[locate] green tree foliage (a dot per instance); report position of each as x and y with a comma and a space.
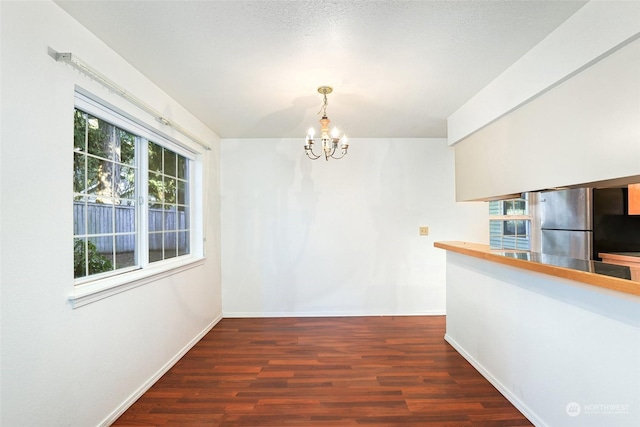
98, 263
104, 159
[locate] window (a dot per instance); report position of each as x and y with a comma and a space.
509, 224
168, 204
132, 192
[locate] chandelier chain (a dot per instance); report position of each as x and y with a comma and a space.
323, 109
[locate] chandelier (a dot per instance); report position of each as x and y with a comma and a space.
329, 141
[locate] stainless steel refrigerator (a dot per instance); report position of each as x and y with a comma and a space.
566, 223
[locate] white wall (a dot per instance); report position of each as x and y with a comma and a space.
65, 366
547, 342
593, 32
340, 237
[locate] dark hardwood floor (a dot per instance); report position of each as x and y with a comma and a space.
371, 371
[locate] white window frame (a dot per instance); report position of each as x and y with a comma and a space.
509, 217
92, 288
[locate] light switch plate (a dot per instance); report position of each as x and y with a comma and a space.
424, 231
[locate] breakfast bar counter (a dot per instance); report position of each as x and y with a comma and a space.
616, 277
558, 337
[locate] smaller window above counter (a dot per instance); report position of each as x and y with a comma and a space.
510, 224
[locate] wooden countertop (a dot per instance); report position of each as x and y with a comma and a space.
622, 256
519, 259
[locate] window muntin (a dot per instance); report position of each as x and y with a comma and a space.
114, 196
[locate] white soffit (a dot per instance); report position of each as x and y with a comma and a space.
591, 34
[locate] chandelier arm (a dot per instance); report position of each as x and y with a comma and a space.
344, 153
311, 154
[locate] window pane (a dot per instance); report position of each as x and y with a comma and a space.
125, 184
79, 131
509, 228
100, 218
155, 247
495, 207
102, 139
156, 193
100, 254
170, 245
182, 167
182, 192
127, 148
125, 219
170, 219
523, 243
183, 242
509, 242
495, 227
100, 178
79, 177
507, 207
495, 242
169, 163
93, 168
519, 207
125, 250
155, 218
183, 218
155, 157
79, 216
79, 257
169, 190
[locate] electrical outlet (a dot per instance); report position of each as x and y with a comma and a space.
424, 231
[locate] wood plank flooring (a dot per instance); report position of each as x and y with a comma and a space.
351, 371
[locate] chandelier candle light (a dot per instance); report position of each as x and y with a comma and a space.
329, 142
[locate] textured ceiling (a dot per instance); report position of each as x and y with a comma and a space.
252, 68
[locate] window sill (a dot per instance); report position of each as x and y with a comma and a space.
99, 289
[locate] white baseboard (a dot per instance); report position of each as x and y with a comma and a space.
263, 314
151, 381
515, 401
